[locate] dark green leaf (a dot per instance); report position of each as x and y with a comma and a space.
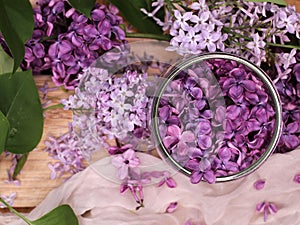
16, 25
131, 10
20, 164
20, 103
62, 215
4, 128
279, 2
83, 6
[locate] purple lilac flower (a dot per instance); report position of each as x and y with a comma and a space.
125, 161
65, 42
266, 208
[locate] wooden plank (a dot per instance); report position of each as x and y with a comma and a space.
35, 181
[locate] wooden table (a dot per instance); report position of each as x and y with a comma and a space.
35, 177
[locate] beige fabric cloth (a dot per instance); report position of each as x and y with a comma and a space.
218, 204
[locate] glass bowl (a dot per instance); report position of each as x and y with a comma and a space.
216, 113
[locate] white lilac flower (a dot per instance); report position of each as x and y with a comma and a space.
257, 45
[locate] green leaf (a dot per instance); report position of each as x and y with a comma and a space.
83, 6
62, 215
16, 25
6, 62
20, 164
131, 11
278, 2
20, 103
4, 128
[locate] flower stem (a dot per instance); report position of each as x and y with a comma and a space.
11, 209
267, 43
57, 106
151, 36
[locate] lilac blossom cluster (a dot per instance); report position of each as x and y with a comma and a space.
65, 41
206, 137
288, 86
248, 29
108, 106
133, 179
67, 153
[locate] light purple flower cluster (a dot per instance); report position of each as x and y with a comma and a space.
108, 106
133, 179
65, 41
206, 137
67, 153
248, 29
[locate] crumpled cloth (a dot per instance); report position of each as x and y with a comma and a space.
96, 199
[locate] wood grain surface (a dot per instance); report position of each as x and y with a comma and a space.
35, 181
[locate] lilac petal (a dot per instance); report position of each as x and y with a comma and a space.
197, 93
209, 176
164, 112
119, 33
172, 207
39, 50
192, 164
65, 47
228, 83
195, 153
97, 15
236, 92
204, 127
169, 141
249, 85
174, 120
187, 136
224, 154
117, 161
293, 127
297, 178
196, 177
122, 172
204, 165
259, 184
104, 27
161, 183
253, 125
291, 141
260, 206
204, 141
171, 183
129, 154
182, 149
272, 208
174, 131
106, 43
200, 104
233, 112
